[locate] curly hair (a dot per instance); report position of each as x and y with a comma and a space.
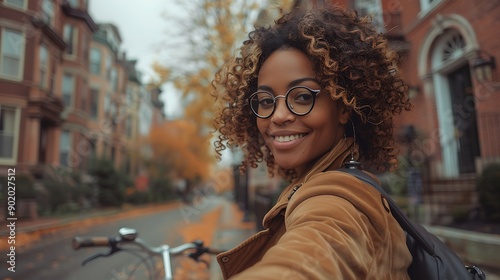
352, 61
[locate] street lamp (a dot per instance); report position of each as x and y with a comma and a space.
483, 66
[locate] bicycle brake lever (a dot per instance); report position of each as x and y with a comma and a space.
196, 255
112, 250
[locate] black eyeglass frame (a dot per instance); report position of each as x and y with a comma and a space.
314, 92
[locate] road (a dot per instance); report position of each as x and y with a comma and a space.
53, 257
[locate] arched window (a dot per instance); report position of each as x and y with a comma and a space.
454, 46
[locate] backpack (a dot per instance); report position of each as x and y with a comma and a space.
432, 259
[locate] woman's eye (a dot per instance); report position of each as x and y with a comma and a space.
266, 101
303, 97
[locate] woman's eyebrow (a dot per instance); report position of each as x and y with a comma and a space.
299, 81
291, 84
265, 88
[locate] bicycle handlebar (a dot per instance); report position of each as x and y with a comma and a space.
128, 236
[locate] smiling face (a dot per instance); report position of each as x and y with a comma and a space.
297, 141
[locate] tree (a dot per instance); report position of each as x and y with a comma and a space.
205, 41
178, 150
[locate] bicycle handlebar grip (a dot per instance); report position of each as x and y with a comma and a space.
82, 242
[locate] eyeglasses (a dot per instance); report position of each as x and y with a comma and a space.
299, 100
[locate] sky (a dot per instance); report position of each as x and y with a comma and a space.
143, 28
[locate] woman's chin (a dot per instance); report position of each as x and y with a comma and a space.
286, 165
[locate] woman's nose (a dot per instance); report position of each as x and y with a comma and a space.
281, 114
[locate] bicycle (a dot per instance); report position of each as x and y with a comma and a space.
128, 241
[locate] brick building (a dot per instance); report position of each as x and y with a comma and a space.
63, 89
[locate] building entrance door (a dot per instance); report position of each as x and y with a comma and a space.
464, 118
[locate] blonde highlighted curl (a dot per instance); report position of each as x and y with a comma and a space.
352, 62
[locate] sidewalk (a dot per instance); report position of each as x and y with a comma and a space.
231, 231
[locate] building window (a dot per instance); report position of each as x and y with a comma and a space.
83, 96
108, 67
85, 48
12, 54
372, 8
65, 148
426, 5
94, 103
68, 88
454, 46
114, 80
44, 65
48, 11
21, 4
95, 61
70, 38
9, 133
74, 3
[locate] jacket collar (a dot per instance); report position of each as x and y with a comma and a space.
332, 160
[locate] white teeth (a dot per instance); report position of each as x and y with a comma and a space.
287, 138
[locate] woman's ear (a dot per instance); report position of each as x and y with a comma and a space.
345, 113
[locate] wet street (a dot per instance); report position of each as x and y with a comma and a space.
52, 256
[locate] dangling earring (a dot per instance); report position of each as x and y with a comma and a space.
352, 163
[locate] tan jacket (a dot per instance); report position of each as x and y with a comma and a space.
334, 226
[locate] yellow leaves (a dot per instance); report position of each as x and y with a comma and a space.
180, 144
203, 44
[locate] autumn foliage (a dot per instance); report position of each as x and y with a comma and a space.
198, 48
179, 151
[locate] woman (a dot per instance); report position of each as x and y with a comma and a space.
306, 95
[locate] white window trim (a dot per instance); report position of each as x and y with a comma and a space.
24, 7
19, 76
17, 124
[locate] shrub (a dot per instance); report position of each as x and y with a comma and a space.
23, 184
110, 182
488, 187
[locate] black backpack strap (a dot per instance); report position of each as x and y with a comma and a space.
397, 213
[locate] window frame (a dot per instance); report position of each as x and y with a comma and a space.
19, 76
94, 98
48, 14
66, 148
92, 62
72, 50
15, 134
24, 7
72, 93
74, 5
